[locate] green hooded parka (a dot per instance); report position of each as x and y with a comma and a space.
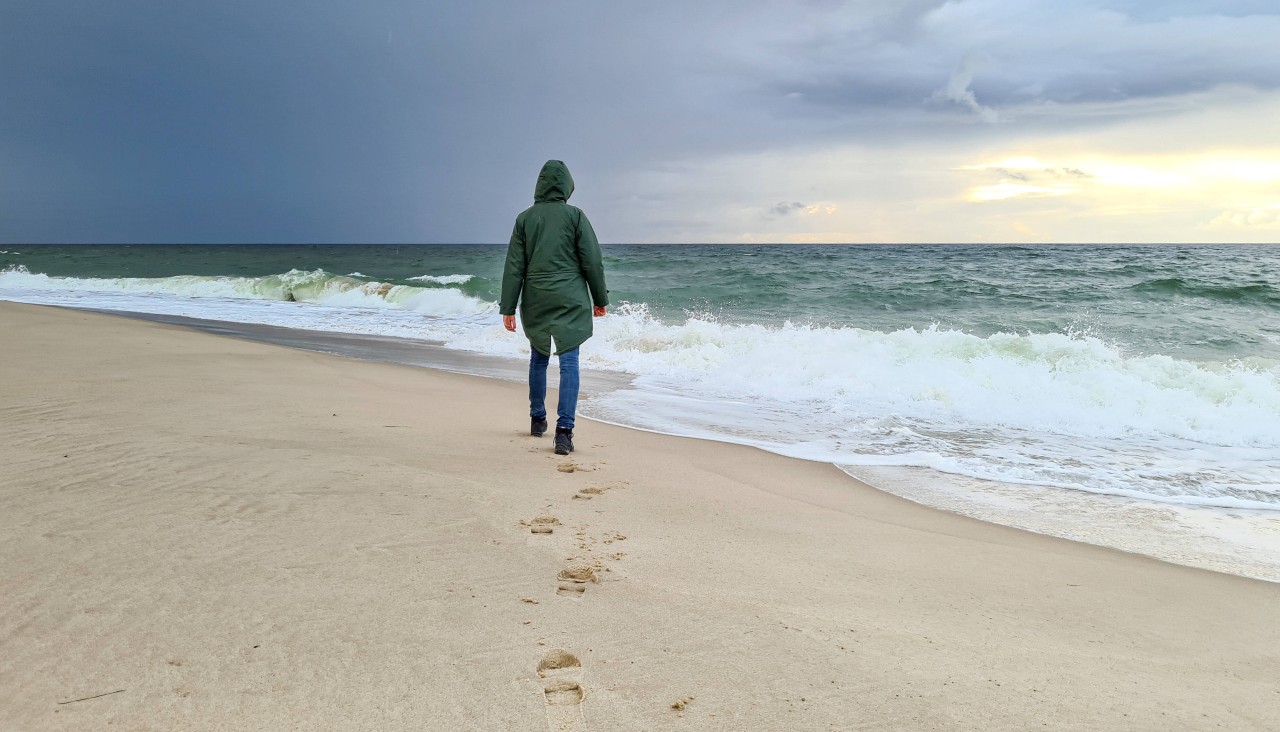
553, 267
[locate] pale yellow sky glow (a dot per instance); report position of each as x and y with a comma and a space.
1257, 217
1240, 190
1004, 190
1167, 179
1209, 172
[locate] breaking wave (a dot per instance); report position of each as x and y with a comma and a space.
315, 287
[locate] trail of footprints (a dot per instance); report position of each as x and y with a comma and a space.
560, 671
587, 567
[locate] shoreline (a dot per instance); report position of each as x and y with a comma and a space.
1234, 541
304, 540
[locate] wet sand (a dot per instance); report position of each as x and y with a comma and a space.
205, 533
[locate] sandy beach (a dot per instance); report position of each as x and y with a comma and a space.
203, 533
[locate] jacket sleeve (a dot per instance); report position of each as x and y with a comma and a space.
513, 272
589, 260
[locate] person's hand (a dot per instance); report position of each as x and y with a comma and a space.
598, 311
509, 322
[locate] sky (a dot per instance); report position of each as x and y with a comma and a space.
1015, 121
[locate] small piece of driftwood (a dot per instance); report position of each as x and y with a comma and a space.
95, 696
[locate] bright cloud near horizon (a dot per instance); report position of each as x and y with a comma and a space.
819, 121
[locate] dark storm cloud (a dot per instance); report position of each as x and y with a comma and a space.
384, 121
141, 120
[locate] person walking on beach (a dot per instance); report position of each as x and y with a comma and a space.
554, 272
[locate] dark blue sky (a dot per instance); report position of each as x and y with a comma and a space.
379, 121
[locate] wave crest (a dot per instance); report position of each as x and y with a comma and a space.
1177, 286
315, 287
454, 279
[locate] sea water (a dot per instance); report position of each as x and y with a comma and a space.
1123, 395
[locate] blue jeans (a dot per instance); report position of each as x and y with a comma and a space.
568, 405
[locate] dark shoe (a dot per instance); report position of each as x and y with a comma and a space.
564, 441
537, 426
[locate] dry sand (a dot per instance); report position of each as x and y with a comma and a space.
216, 534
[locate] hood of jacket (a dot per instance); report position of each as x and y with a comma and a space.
554, 183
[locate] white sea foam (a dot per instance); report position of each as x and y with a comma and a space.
1236, 541
1041, 383
1046, 409
453, 279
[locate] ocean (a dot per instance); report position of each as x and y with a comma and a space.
1127, 396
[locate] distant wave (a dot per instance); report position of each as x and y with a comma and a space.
1258, 293
454, 279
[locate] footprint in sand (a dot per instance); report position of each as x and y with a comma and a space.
561, 674
541, 524
586, 493
573, 579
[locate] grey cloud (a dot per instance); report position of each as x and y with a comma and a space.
785, 209
1027, 175
1042, 176
989, 54
1014, 174
958, 90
